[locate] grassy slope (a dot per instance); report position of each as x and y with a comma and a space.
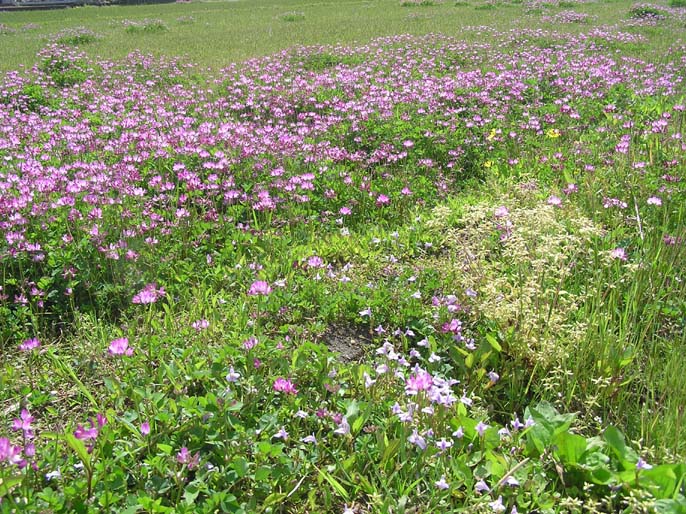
225, 32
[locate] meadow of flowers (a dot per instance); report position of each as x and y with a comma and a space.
416, 275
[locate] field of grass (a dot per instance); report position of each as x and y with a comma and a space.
214, 34
357, 257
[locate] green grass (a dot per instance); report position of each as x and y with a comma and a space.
226, 32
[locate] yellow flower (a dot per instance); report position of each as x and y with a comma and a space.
552, 133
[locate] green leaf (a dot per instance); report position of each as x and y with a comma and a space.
671, 506
264, 447
262, 474
165, 448
390, 452
335, 484
273, 499
615, 440
494, 343
570, 447
548, 423
79, 448
661, 480
190, 493
601, 476
7, 484
240, 466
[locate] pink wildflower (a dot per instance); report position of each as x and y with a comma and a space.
419, 381
259, 287
149, 294
382, 199
283, 385
120, 347
29, 344
185, 457
618, 254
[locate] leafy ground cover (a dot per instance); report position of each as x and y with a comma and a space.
421, 274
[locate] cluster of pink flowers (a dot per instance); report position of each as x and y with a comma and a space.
284, 385
149, 294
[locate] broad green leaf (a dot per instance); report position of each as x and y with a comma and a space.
262, 474
671, 506
661, 480
190, 493
615, 440
569, 447
601, 476
240, 466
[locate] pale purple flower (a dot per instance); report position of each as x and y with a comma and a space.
516, 424
250, 343
368, 380
416, 439
641, 464
481, 487
366, 312
185, 457
382, 199
120, 347
654, 200
310, 439
145, 428
315, 262
23, 423
459, 433
434, 358
86, 434
343, 427
497, 505
493, 376
232, 376
570, 189
555, 201
481, 428
9, 453
444, 444
51, 475
442, 484
281, 434
419, 381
